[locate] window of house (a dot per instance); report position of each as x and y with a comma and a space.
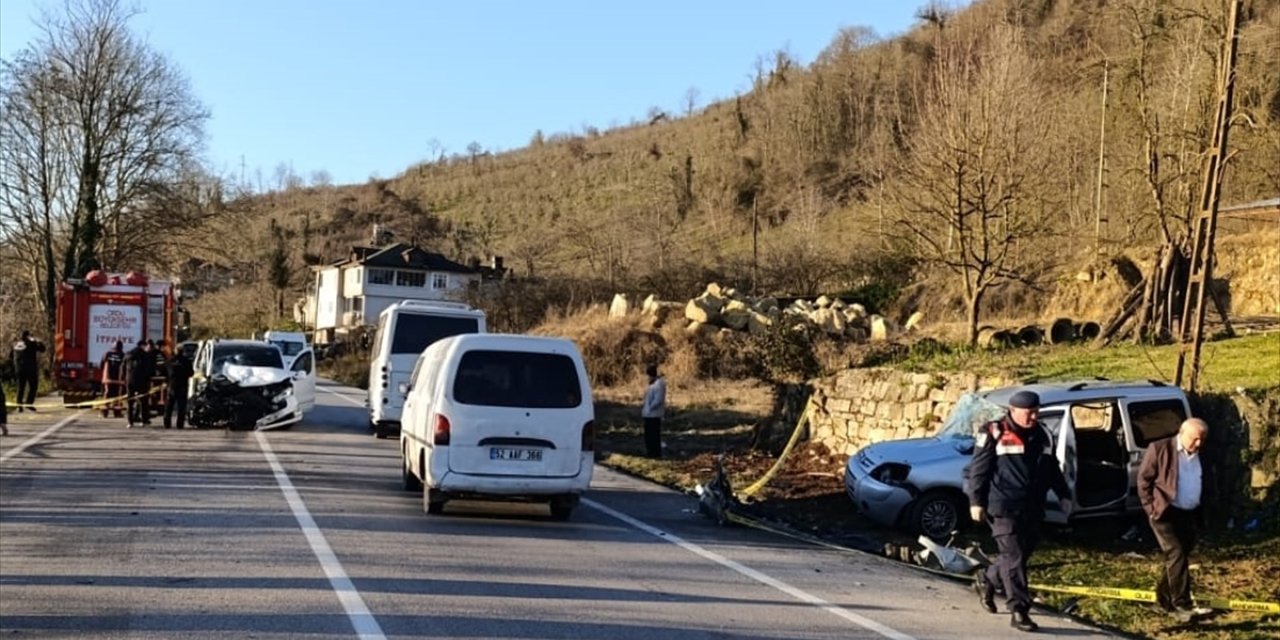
353, 304
382, 276
439, 281
411, 279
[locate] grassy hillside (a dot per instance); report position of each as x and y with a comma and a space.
816, 155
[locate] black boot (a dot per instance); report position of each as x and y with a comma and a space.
986, 593
1023, 622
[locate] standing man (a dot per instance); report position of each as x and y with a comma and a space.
112, 366
651, 412
139, 368
1170, 485
1013, 468
179, 379
26, 366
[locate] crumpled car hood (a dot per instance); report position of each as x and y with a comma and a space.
246, 376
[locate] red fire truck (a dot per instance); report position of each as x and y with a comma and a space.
96, 311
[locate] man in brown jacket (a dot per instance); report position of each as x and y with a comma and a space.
1170, 483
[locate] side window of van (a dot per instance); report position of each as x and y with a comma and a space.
517, 379
1155, 419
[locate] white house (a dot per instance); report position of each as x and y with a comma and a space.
352, 292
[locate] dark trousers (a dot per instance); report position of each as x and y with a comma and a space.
139, 404
653, 437
1176, 533
177, 402
27, 383
1016, 539
4, 408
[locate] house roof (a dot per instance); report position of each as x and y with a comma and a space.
402, 256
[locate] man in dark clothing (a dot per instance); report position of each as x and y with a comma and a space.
112, 366
1171, 480
26, 366
139, 367
4, 412
1013, 468
179, 379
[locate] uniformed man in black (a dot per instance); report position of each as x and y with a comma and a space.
1013, 468
112, 366
139, 367
26, 367
178, 380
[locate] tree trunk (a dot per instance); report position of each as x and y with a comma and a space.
975, 306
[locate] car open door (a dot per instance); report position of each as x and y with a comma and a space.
304, 380
1064, 441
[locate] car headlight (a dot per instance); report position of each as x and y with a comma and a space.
892, 473
283, 395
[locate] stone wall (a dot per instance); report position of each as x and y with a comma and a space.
857, 407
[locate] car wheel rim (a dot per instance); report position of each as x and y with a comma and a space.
938, 519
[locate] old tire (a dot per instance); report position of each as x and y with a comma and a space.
936, 514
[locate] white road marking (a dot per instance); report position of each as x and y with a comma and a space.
33, 440
358, 403
365, 625
803, 596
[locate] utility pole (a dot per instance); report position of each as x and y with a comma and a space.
1102, 162
1191, 330
755, 250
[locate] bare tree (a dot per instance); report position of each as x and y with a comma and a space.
95, 124
969, 186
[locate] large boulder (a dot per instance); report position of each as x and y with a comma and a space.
759, 323
735, 315
879, 329
619, 307
704, 308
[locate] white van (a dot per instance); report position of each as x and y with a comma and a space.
495, 416
291, 344
405, 329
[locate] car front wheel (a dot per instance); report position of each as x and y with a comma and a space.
936, 514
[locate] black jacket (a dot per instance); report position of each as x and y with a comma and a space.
139, 368
113, 366
26, 355
179, 371
1013, 468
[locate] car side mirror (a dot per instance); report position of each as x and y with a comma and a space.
404, 388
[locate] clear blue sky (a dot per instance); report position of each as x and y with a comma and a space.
362, 88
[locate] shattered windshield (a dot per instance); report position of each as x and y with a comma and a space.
971, 412
247, 355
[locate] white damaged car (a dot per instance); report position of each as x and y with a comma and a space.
244, 384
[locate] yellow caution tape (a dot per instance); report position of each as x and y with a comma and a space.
777, 464
1138, 595
87, 404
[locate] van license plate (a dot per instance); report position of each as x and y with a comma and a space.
529, 455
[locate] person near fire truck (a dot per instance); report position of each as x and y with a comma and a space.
26, 368
112, 367
139, 368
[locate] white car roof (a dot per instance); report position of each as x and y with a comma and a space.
511, 342
1085, 390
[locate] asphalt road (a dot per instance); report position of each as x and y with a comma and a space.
107, 532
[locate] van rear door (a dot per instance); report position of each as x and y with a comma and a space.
517, 413
411, 334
